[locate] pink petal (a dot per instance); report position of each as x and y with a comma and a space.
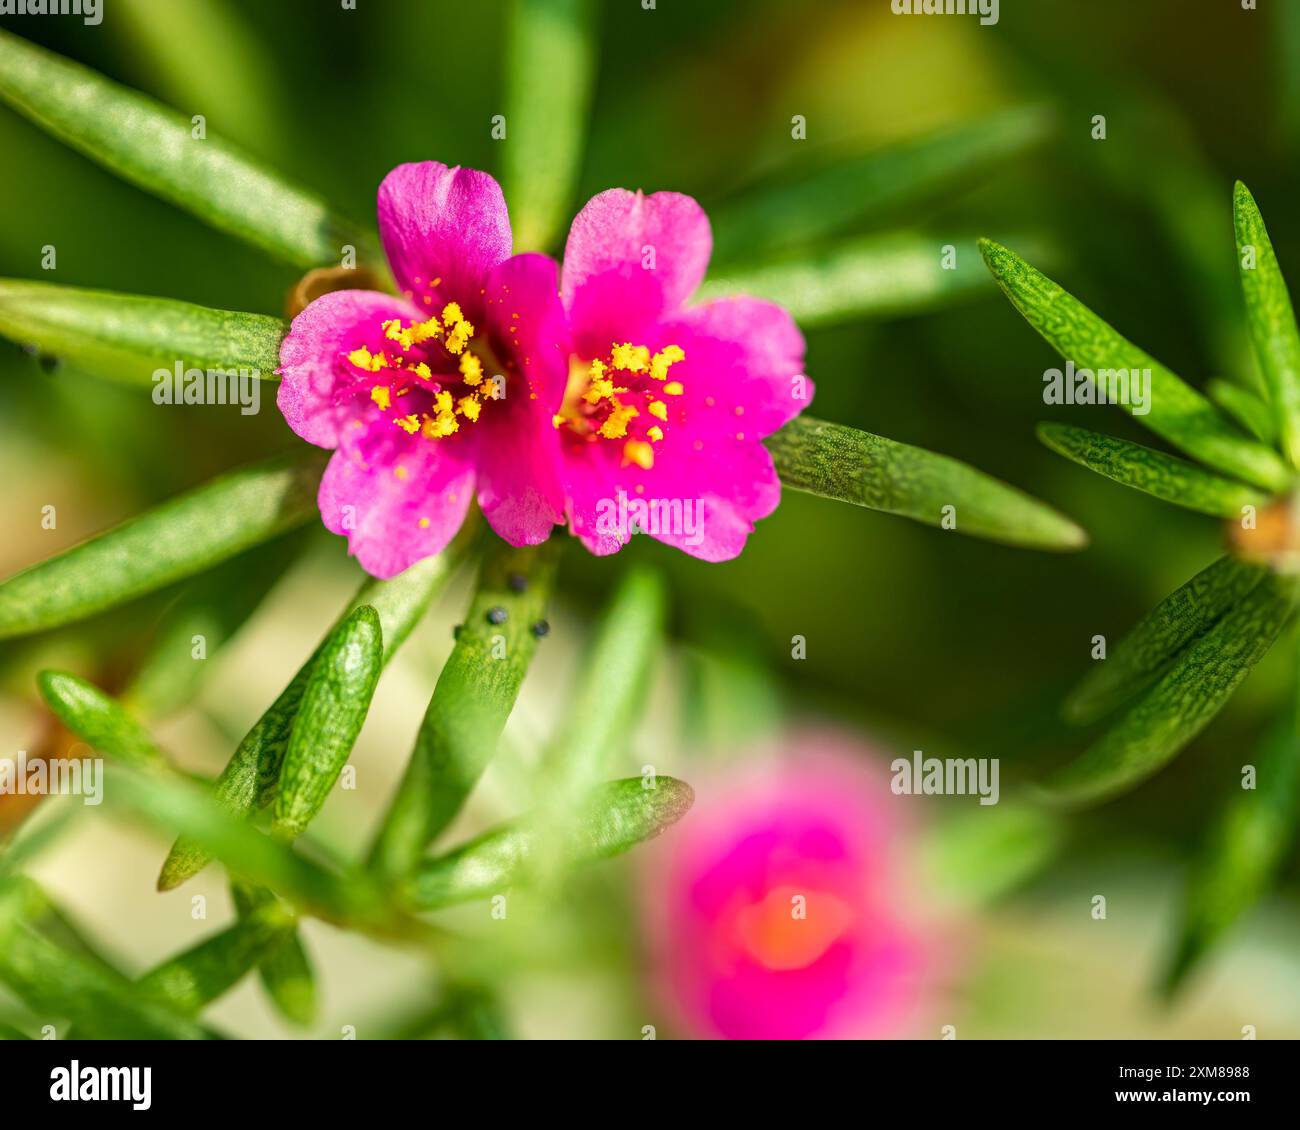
381, 484
519, 485
311, 362
631, 258
443, 231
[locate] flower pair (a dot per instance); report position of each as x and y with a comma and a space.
555, 397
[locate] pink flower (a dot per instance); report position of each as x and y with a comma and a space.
666, 406
778, 909
442, 393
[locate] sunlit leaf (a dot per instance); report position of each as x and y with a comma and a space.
129, 337
1184, 615
472, 700
330, 716
617, 817
155, 148
1152, 472
249, 781
1173, 409
1183, 701
173, 541
881, 474
1270, 317
814, 205
550, 66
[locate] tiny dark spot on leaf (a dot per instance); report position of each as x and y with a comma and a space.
540, 628
497, 615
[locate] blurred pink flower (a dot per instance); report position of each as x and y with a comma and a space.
778, 910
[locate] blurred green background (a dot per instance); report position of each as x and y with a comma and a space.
922, 638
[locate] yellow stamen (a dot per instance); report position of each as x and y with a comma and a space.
408, 424
615, 425
639, 452
379, 395
673, 388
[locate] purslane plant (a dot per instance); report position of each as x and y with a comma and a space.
1177, 668
634, 389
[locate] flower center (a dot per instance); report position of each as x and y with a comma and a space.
791, 928
622, 396
409, 380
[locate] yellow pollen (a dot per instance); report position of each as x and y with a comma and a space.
471, 369
631, 358
615, 425
379, 395
408, 424
639, 452
424, 523
659, 408
655, 432
668, 355
470, 407
673, 388
401, 473
362, 358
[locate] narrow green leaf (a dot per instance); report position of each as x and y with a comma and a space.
1243, 851
1270, 317
99, 719
816, 205
617, 817
194, 979
9, 1032
1245, 407
1173, 410
251, 778
173, 541
129, 337
286, 971
155, 148
1183, 616
1183, 702
330, 716
1153, 472
472, 700
881, 474
550, 66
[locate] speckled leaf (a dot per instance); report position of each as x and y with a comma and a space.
1152, 472
99, 719
1177, 412
881, 474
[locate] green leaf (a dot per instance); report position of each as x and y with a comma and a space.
874, 276
1243, 851
618, 816
472, 700
550, 68
835, 196
330, 716
1270, 317
1183, 616
99, 719
1152, 472
1175, 411
286, 971
154, 148
194, 979
129, 337
1245, 407
173, 541
1183, 702
983, 853
881, 474
251, 778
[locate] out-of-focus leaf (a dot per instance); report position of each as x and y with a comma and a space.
194, 979
330, 716
155, 148
873, 276
1152, 472
168, 543
249, 781
1243, 851
978, 856
472, 700
617, 817
1184, 615
9, 1032
1245, 407
835, 196
129, 337
286, 971
881, 474
99, 719
1271, 319
550, 63
1183, 702
1177, 412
